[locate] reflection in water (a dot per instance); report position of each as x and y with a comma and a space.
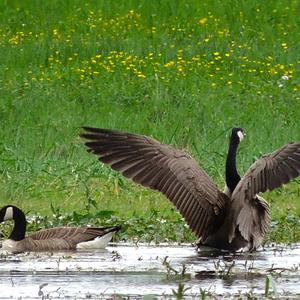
136, 271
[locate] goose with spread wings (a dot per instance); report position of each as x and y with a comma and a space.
234, 219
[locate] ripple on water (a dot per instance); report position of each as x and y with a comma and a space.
148, 270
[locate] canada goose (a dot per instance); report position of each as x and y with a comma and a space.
231, 221
52, 239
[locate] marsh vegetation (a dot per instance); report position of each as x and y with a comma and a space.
182, 72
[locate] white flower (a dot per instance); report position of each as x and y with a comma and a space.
285, 77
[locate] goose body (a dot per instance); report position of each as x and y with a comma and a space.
234, 219
52, 239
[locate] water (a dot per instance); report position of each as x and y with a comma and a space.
144, 272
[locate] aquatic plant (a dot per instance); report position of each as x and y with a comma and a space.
174, 274
224, 269
181, 289
270, 286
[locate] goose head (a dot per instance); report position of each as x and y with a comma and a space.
237, 135
11, 212
6, 213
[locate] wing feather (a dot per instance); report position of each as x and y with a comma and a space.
192, 207
160, 167
270, 172
78, 234
267, 173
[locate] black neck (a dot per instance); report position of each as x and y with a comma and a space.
18, 232
232, 176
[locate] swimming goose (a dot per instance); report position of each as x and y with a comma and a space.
52, 239
234, 219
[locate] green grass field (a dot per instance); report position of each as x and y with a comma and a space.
184, 72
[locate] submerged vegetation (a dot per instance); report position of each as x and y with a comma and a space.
183, 72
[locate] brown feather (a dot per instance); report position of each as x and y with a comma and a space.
217, 220
162, 168
267, 173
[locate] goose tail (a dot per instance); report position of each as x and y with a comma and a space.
100, 242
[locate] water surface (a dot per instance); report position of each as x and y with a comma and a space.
146, 272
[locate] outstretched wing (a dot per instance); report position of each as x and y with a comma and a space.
267, 173
163, 168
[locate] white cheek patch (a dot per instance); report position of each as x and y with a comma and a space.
227, 191
240, 135
8, 214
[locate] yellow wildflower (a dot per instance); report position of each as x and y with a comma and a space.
203, 21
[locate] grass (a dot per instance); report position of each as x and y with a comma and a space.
183, 72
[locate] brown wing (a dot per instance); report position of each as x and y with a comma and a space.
61, 238
51, 244
267, 173
76, 234
163, 168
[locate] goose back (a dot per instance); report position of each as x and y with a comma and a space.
52, 239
